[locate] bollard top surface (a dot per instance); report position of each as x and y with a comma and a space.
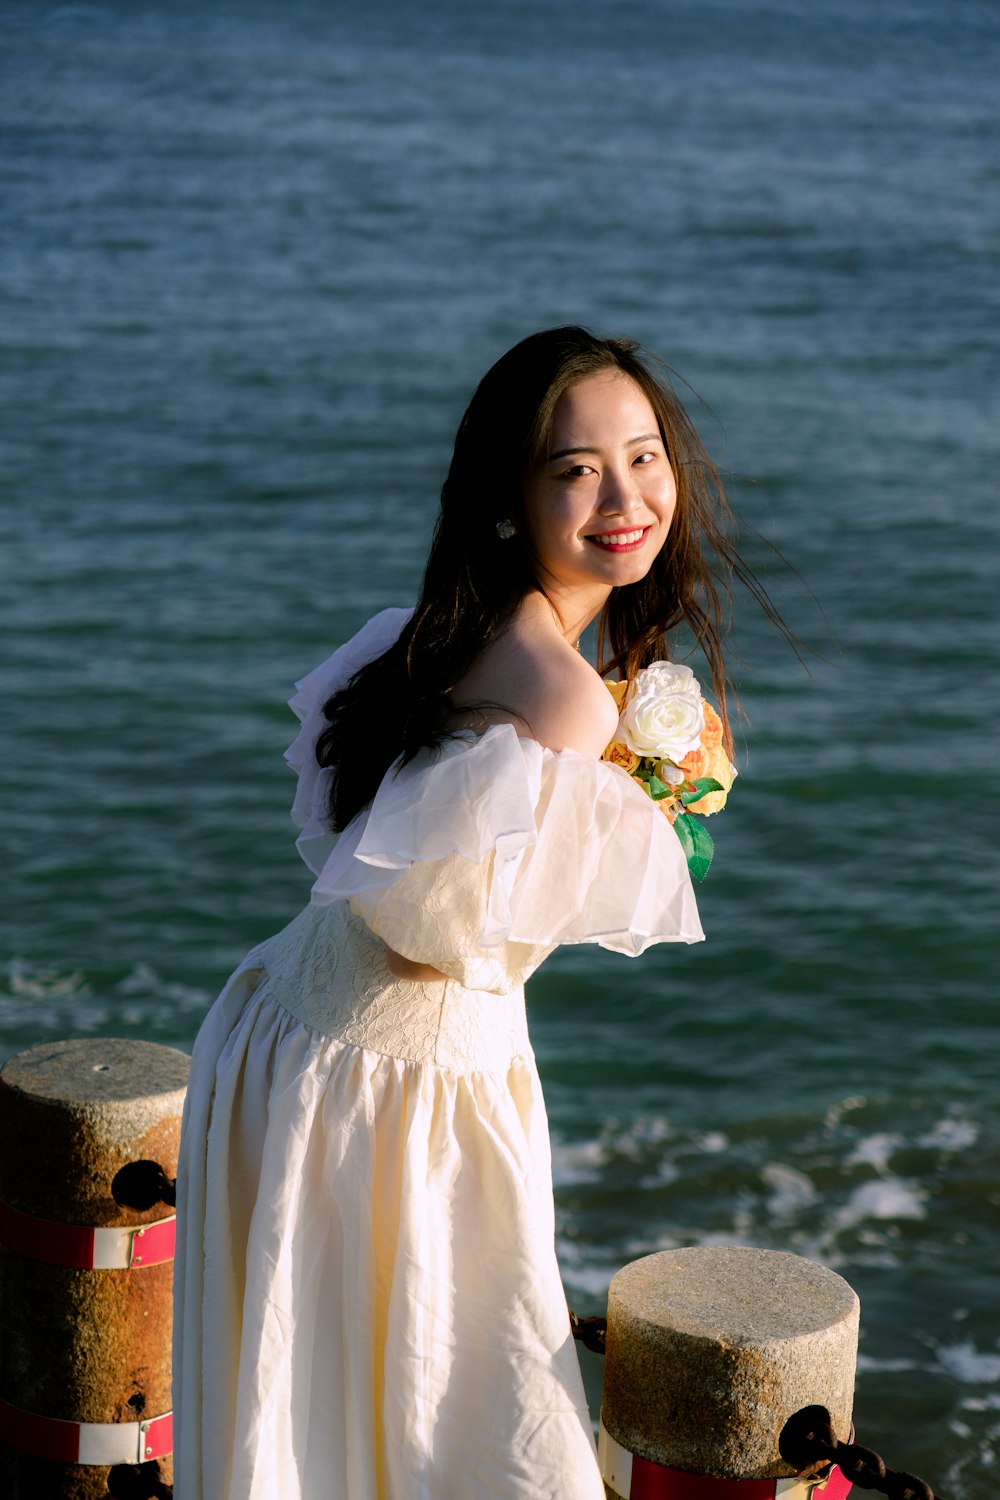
98, 1070
739, 1294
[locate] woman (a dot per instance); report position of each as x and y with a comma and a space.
368, 1301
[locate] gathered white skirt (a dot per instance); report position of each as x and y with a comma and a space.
368, 1305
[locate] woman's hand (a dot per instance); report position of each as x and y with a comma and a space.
405, 968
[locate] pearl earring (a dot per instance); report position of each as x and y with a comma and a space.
505, 530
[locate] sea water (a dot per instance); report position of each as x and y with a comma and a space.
252, 261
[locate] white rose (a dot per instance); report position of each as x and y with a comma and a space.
665, 715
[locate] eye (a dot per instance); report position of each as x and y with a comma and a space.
578, 471
645, 458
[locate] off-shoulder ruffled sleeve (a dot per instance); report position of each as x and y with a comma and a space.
315, 841
482, 858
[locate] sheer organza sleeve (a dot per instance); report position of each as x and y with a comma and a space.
315, 841
483, 857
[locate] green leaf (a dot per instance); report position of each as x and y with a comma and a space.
696, 843
702, 787
658, 789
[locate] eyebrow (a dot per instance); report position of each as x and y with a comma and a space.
646, 437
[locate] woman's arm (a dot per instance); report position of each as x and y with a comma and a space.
405, 968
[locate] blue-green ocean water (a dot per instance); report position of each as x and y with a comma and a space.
252, 260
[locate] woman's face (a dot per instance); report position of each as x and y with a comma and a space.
598, 511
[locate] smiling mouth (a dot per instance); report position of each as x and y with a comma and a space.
620, 541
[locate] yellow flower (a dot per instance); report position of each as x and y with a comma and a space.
618, 691
620, 755
709, 759
669, 807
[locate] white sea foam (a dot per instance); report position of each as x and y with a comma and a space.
583, 1275
886, 1198
45, 984
145, 983
650, 1130
665, 1172
950, 1135
141, 979
982, 1403
874, 1151
636, 1141
635, 1248
870, 1365
712, 1141
968, 1364
591, 1281
790, 1188
141, 982
577, 1161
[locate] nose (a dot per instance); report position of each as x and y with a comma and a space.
619, 492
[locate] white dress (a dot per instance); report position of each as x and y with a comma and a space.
368, 1305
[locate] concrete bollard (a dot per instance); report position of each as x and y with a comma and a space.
86, 1265
709, 1351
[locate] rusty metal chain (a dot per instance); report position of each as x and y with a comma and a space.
590, 1331
808, 1441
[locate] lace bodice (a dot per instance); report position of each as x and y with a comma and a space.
329, 971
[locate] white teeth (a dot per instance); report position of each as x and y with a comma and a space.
618, 538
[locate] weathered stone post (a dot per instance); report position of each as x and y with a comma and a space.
89, 1134
709, 1351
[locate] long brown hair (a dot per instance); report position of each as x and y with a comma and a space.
474, 581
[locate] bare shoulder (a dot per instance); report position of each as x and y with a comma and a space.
539, 683
571, 709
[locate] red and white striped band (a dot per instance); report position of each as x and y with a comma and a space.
635, 1478
86, 1442
86, 1248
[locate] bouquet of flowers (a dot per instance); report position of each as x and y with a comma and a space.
669, 739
